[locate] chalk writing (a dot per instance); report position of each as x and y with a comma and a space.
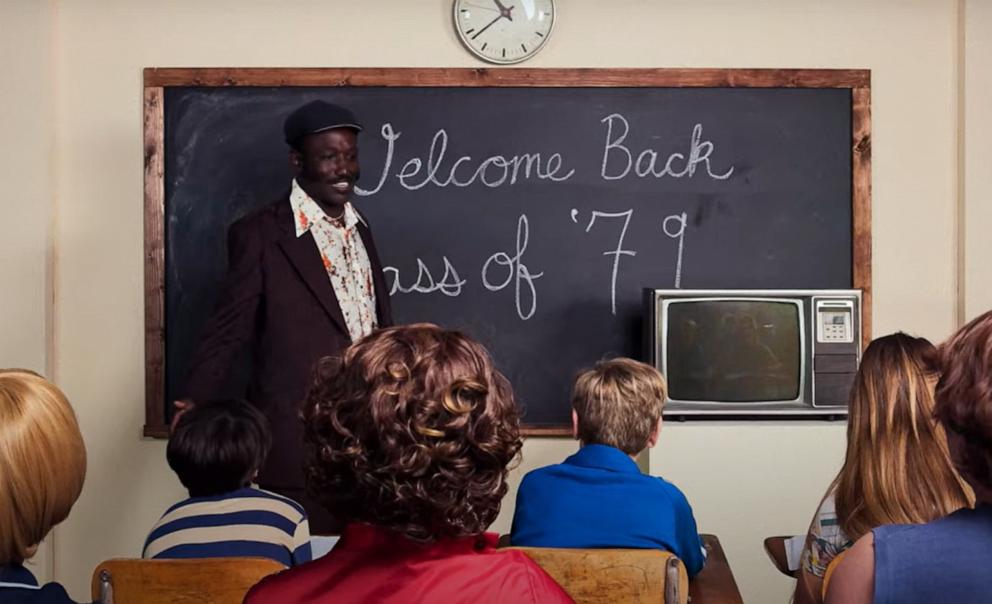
680, 219
493, 171
647, 160
616, 253
450, 285
516, 271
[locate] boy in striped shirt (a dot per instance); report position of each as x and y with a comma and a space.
216, 449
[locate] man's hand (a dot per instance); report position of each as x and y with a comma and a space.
182, 406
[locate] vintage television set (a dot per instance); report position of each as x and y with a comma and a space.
760, 353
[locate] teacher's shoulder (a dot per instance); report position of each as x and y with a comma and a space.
269, 222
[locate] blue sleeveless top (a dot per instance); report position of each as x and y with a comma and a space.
947, 560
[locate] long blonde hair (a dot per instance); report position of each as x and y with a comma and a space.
897, 469
42, 462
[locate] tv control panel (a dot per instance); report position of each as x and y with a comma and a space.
834, 321
836, 348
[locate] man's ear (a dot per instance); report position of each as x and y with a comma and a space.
575, 425
295, 161
655, 434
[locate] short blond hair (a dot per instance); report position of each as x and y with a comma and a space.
42, 461
618, 403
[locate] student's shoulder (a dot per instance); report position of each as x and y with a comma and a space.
50, 593
545, 470
946, 532
277, 499
176, 506
289, 585
666, 489
543, 475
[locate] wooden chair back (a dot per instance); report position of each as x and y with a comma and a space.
775, 548
214, 580
614, 576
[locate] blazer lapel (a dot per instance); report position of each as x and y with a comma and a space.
302, 253
383, 308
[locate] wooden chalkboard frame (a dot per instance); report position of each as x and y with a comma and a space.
157, 79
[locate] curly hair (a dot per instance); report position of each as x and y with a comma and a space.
411, 430
964, 397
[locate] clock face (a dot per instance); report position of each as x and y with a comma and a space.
504, 31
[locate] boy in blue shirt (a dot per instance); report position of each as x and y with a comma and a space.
598, 497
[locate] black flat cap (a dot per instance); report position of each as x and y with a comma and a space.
317, 116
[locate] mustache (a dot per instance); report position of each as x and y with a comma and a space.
353, 178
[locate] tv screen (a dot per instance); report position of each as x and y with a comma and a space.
737, 351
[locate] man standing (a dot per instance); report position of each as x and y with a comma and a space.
304, 281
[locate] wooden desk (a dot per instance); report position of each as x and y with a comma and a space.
715, 584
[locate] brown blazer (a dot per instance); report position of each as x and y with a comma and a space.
278, 299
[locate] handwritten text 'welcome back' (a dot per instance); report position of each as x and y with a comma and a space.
618, 161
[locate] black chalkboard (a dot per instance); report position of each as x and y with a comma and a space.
531, 217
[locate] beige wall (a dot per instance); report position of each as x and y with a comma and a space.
26, 206
26, 173
746, 481
976, 165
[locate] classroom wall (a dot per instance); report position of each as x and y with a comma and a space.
976, 157
26, 172
26, 204
746, 481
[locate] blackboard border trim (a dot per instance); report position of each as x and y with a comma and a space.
488, 77
154, 261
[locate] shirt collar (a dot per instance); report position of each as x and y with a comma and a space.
15, 575
603, 457
367, 536
307, 212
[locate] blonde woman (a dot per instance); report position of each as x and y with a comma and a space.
897, 469
42, 466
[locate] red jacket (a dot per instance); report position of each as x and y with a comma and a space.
370, 564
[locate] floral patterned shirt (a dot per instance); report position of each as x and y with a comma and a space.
826, 539
344, 256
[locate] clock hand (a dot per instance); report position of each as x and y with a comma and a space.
503, 10
488, 25
482, 7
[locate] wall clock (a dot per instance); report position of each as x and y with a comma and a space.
504, 31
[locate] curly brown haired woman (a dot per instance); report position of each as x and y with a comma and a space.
408, 438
